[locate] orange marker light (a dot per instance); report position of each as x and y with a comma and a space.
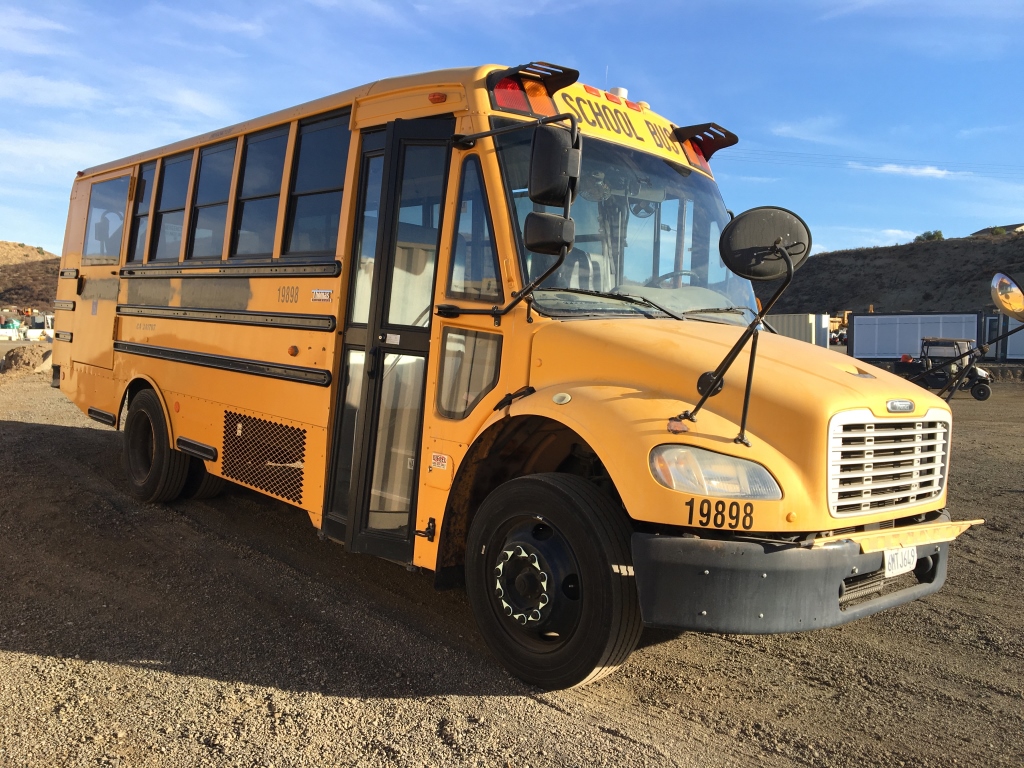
438, 98
633, 105
592, 90
540, 102
612, 98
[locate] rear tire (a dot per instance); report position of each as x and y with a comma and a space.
981, 391
549, 577
199, 483
155, 471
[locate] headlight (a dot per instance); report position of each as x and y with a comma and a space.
705, 473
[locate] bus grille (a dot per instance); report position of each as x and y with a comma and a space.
264, 454
881, 464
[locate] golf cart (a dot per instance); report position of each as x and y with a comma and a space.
943, 360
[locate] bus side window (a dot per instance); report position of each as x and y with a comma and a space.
107, 203
256, 212
473, 267
165, 242
470, 364
210, 202
140, 219
314, 209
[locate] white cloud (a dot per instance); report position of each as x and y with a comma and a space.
819, 130
42, 91
992, 9
841, 238
374, 8
186, 100
23, 32
983, 130
919, 171
217, 22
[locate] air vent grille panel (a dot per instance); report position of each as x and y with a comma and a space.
264, 454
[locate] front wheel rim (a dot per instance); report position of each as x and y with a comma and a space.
534, 583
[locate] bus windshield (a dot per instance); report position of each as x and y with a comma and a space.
647, 234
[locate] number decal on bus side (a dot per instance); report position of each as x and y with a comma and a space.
721, 515
288, 294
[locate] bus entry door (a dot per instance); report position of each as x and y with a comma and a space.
379, 419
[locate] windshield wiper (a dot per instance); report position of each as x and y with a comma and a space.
710, 310
629, 298
645, 300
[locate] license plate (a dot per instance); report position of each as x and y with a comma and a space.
900, 560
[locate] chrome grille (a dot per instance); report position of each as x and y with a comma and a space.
890, 464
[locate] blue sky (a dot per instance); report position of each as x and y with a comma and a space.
873, 119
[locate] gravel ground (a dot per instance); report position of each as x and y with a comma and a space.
225, 633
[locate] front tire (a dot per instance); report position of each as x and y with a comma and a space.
981, 391
550, 579
155, 471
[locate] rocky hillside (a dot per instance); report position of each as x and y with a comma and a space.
29, 285
936, 276
28, 275
20, 253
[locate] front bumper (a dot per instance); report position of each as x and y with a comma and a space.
754, 588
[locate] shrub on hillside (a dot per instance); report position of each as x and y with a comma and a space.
929, 235
999, 231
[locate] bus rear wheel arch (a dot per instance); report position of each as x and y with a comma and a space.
154, 470
549, 578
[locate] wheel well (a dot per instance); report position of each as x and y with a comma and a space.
523, 445
134, 387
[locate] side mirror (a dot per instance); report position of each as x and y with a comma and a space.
747, 244
554, 166
1008, 296
548, 233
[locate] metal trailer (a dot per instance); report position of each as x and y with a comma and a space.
889, 336
813, 329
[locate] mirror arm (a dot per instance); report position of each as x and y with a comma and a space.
468, 141
451, 310
719, 373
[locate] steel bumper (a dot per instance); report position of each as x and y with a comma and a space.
746, 587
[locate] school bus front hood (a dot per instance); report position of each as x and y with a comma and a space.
627, 377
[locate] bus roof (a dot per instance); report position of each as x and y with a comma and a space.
600, 114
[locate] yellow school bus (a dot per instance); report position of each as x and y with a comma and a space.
482, 322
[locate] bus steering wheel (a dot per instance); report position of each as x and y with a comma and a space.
654, 282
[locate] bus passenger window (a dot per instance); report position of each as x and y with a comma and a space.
170, 208
210, 211
469, 370
107, 203
256, 215
140, 221
473, 269
314, 209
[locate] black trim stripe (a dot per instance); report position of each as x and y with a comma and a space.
63, 335
197, 449
102, 416
273, 319
61, 304
280, 268
69, 274
237, 364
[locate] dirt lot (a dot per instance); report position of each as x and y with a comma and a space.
225, 633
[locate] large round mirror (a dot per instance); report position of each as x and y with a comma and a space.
1008, 296
747, 244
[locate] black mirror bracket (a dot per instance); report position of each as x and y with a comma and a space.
467, 142
711, 382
